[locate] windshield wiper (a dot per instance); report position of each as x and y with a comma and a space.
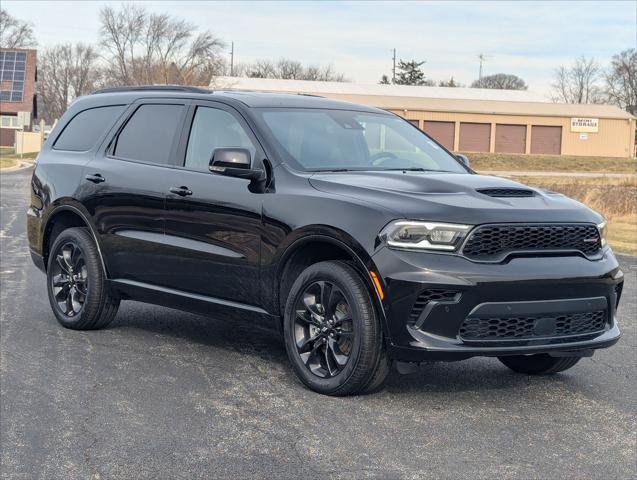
410, 169
418, 169
319, 170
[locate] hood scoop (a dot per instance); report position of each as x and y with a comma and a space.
506, 192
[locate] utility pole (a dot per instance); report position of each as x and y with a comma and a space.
393, 69
232, 59
482, 58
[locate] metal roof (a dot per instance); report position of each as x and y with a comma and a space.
444, 99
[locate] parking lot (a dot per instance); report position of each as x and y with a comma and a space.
165, 394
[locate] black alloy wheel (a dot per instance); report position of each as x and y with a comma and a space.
324, 329
78, 290
69, 278
332, 333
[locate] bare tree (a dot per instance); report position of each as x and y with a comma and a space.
503, 81
449, 83
578, 83
15, 33
621, 80
65, 72
289, 70
261, 69
155, 48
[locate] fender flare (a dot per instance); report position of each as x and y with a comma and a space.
85, 219
365, 265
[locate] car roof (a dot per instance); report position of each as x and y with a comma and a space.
247, 98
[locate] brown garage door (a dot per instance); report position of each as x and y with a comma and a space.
415, 123
443, 132
510, 138
474, 137
7, 137
547, 140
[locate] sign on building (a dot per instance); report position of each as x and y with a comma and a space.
589, 125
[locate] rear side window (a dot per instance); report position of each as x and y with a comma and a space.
84, 129
148, 135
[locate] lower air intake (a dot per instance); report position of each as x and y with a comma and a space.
517, 328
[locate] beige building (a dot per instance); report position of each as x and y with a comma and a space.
480, 120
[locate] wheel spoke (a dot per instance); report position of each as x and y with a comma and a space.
313, 353
309, 300
67, 254
78, 261
307, 344
340, 358
80, 285
344, 333
61, 294
306, 317
75, 301
62, 263
340, 321
326, 297
327, 354
69, 303
59, 280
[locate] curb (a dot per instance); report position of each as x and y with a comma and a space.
22, 165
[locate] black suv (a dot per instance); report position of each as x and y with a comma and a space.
362, 239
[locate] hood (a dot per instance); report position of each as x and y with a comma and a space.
453, 197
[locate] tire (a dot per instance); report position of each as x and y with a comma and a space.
541, 364
76, 285
347, 355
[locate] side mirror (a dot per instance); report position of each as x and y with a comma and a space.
235, 162
463, 159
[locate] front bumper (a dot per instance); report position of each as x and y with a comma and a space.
540, 287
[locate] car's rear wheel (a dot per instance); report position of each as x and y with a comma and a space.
77, 288
541, 364
332, 332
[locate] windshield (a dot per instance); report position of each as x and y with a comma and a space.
316, 140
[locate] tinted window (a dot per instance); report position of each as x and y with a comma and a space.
213, 128
338, 139
86, 127
148, 135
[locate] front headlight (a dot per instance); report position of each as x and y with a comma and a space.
415, 235
603, 232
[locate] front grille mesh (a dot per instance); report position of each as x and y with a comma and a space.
496, 328
433, 295
494, 242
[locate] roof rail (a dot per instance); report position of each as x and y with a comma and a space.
161, 88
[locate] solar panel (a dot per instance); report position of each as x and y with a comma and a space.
12, 68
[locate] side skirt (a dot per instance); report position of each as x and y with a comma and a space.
190, 302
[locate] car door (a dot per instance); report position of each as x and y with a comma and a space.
125, 188
214, 223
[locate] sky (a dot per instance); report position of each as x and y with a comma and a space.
528, 39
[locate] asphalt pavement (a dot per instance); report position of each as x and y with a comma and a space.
166, 394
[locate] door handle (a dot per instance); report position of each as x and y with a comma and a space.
181, 191
95, 178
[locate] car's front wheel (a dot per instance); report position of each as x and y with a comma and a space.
541, 364
78, 293
332, 332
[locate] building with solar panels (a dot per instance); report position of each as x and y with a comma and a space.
18, 105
